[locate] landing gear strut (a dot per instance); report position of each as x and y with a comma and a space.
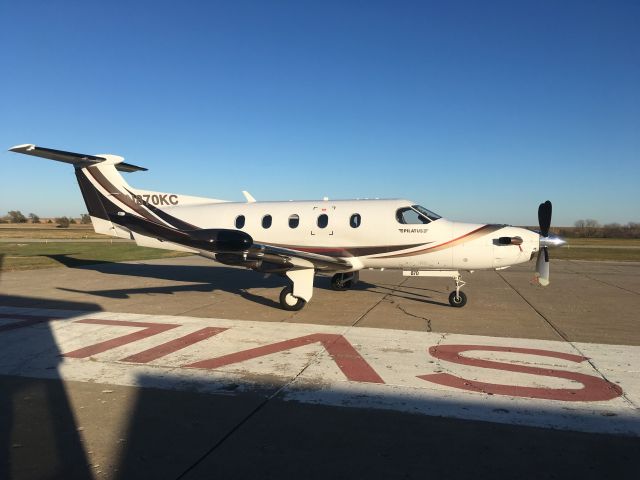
457, 298
344, 281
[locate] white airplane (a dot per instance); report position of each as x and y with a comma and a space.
299, 239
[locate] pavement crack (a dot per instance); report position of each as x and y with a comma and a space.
239, 425
566, 339
624, 395
384, 298
258, 408
610, 284
427, 320
554, 327
441, 364
586, 275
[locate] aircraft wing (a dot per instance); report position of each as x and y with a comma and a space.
287, 256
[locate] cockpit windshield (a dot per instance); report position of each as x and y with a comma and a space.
415, 214
428, 213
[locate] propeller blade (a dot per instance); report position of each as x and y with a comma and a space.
542, 267
544, 218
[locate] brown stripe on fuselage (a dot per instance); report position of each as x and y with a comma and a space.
342, 252
467, 237
170, 219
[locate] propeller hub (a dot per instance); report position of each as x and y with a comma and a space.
552, 241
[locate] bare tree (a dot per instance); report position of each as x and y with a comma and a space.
85, 219
580, 228
16, 216
592, 228
34, 218
591, 223
63, 222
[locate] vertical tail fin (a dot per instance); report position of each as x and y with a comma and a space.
110, 199
149, 218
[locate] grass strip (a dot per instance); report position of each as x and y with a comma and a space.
28, 256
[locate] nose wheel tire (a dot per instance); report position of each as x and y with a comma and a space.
457, 299
289, 302
339, 283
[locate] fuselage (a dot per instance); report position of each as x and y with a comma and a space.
369, 233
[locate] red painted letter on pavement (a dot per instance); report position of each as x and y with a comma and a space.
174, 345
148, 330
354, 367
594, 388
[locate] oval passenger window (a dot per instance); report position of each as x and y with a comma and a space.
355, 220
323, 220
266, 221
240, 221
294, 221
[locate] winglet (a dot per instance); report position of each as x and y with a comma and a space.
248, 196
26, 147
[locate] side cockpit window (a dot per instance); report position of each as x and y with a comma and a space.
408, 216
415, 214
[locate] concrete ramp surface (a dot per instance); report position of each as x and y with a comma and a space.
575, 386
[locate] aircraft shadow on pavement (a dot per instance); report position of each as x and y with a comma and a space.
171, 429
229, 279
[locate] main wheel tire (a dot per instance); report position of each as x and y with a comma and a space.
289, 302
457, 300
338, 284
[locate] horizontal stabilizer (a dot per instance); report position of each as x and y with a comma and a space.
78, 160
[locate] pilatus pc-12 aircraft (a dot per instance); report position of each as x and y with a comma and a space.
300, 239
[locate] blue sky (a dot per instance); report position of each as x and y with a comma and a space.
477, 110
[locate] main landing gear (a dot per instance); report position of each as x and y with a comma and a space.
295, 296
344, 281
289, 302
457, 298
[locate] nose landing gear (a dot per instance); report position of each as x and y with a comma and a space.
457, 298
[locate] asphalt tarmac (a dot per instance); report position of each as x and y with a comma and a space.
179, 368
